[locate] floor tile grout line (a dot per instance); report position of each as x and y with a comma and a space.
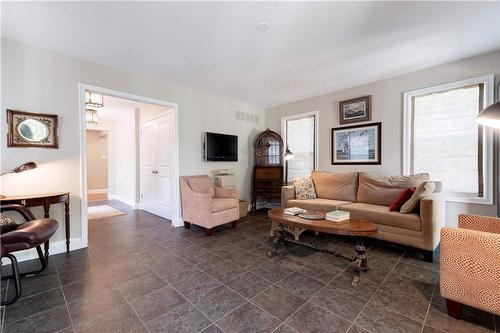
378, 288
65, 300
429, 306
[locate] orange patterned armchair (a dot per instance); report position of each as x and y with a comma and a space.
470, 264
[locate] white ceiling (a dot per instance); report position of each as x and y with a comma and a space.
114, 108
310, 48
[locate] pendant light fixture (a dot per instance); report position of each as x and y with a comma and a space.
91, 116
93, 100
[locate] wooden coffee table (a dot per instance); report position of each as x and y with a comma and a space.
352, 227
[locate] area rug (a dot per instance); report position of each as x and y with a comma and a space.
102, 211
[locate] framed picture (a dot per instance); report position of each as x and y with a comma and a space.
359, 144
28, 129
355, 110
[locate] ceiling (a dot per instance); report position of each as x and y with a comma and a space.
311, 48
114, 108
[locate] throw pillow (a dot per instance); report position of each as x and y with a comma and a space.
7, 224
423, 190
304, 188
402, 197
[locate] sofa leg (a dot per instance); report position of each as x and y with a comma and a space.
187, 225
428, 256
209, 231
234, 224
454, 309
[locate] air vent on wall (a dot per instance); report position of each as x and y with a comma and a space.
254, 118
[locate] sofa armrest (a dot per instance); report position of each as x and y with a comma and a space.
470, 268
432, 219
287, 193
196, 206
479, 223
227, 192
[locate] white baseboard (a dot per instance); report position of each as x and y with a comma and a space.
99, 191
54, 248
126, 201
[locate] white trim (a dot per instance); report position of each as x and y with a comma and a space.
122, 199
54, 248
100, 191
176, 209
488, 156
316, 132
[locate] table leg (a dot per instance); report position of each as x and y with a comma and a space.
46, 208
361, 262
279, 240
67, 222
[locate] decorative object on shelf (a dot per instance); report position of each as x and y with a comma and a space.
28, 129
288, 156
93, 100
91, 116
268, 168
360, 144
355, 110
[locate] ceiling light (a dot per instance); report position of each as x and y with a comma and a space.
91, 116
262, 26
93, 99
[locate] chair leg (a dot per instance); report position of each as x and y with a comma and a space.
209, 231
187, 225
454, 309
43, 262
17, 280
46, 249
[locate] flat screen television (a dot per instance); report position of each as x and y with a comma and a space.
221, 147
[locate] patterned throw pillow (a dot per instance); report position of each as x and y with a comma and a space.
304, 188
7, 224
423, 190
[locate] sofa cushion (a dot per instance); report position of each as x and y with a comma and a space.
220, 204
304, 188
381, 215
336, 186
422, 191
201, 184
327, 205
382, 190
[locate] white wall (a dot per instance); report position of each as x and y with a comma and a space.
38, 80
387, 106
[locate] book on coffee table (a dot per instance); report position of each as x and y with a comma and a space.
337, 216
294, 211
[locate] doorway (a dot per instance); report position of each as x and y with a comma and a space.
122, 123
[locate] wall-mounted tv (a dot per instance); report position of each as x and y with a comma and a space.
221, 147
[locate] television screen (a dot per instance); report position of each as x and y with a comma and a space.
221, 147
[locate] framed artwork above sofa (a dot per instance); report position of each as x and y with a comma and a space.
359, 144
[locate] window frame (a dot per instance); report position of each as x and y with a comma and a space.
488, 139
315, 113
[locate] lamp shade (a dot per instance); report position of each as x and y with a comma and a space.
25, 167
490, 116
288, 154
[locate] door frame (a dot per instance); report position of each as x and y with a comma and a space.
140, 159
176, 206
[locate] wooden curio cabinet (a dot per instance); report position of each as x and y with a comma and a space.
268, 168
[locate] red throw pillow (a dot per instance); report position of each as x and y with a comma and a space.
402, 197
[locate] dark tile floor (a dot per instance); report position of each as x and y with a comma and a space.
141, 275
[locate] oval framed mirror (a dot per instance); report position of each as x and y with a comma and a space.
33, 130
28, 129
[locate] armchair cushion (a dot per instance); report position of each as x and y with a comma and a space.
226, 192
220, 204
33, 232
202, 184
480, 223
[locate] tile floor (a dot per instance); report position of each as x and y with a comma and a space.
141, 275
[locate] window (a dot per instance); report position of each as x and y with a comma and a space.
442, 138
299, 134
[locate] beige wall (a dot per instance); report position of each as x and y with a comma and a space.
97, 160
39, 80
387, 105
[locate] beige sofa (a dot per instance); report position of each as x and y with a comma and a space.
368, 196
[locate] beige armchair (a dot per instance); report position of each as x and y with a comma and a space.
470, 264
207, 205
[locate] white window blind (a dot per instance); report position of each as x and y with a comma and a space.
446, 142
300, 138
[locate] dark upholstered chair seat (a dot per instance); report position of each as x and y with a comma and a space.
29, 234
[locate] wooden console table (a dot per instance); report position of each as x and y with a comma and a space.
45, 200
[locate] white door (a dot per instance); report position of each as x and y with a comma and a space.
156, 166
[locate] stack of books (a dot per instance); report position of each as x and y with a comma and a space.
294, 211
337, 216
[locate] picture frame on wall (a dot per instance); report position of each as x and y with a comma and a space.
355, 110
358, 144
26, 129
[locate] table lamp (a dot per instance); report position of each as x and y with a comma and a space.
23, 167
288, 156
